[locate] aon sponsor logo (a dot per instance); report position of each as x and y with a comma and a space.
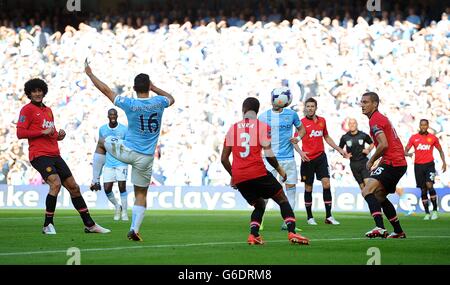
423, 147
47, 125
316, 134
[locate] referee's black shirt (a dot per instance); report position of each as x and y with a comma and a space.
355, 144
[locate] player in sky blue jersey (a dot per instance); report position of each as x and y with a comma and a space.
114, 170
144, 115
282, 121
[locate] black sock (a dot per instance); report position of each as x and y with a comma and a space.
433, 198
327, 200
50, 206
308, 204
81, 207
288, 216
425, 200
391, 214
375, 210
256, 220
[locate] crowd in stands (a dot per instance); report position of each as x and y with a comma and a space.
210, 66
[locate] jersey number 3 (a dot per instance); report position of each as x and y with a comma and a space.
245, 143
152, 123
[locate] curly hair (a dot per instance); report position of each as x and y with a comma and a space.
34, 84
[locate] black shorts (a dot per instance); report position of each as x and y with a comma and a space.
359, 170
262, 187
424, 173
48, 165
388, 175
318, 166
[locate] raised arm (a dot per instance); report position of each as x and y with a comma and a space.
161, 92
99, 84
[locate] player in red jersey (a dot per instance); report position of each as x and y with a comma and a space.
246, 139
313, 147
424, 169
384, 178
36, 123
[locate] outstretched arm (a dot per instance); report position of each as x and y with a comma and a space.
331, 143
99, 84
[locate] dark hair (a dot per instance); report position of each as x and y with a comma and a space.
424, 120
373, 96
142, 83
311, 100
112, 110
34, 84
251, 103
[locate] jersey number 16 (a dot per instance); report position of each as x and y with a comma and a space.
152, 123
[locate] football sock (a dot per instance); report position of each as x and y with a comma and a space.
137, 217
390, 213
308, 204
433, 198
111, 198
288, 216
291, 194
256, 220
327, 200
97, 166
50, 205
425, 204
375, 210
124, 200
80, 205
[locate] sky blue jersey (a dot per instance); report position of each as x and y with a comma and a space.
281, 130
119, 131
144, 121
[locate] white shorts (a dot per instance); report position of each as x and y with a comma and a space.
141, 164
115, 174
289, 166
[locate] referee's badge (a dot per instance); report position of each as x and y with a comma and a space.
349, 143
361, 142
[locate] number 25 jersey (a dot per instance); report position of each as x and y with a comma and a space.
247, 138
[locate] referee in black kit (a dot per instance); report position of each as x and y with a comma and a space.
355, 142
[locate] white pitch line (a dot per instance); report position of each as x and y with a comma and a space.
187, 245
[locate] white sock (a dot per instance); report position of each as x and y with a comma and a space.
137, 218
97, 166
124, 201
112, 199
291, 194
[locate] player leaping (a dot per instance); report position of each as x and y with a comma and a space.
246, 139
383, 180
144, 116
281, 120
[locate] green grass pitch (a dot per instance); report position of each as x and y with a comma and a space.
217, 237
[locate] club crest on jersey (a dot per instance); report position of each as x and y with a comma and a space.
360, 142
316, 133
47, 125
349, 143
423, 147
429, 140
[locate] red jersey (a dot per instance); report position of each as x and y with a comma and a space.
312, 142
423, 146
394, 155
247, 138
32, 121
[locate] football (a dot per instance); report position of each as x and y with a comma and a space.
281, 97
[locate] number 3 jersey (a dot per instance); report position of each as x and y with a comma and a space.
247, 138
394, 155
144, 121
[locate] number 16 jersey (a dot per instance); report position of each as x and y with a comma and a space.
247, 138
144, 121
